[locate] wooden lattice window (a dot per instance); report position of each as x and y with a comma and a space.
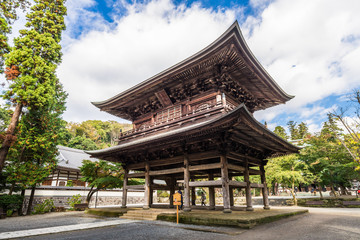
169, 114
47, 182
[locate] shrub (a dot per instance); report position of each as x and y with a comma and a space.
163, 194
44, 207
11, 202
76, 199
69, 183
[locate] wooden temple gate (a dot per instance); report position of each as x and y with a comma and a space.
194, 121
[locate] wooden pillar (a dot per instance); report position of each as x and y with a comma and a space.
231, 191
225, 183
172, 191
124, 195
147, 187
151, 197
264, 189
186, 184
57, 179
247, 188
193, 197
211, 193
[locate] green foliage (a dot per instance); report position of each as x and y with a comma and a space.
75, 199
69, 183
297, 131
36, 54
11, 202
44, 207
94, 134
288, 171
81, 142
5, 115
7, 16
327, 159
280, 131
163, 194
101, 175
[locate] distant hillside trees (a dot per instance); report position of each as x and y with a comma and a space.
94, 134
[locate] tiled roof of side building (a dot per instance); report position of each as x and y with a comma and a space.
72, 158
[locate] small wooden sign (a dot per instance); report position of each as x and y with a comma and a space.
177, 198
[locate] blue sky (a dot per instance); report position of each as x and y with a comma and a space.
310, 47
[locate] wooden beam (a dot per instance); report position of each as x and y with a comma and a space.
160, 187
167, 171
254, 172
136, 175
205, 167
237, 184
241, 157
213, 183
236, 167
142, 187
256, 185
175, 160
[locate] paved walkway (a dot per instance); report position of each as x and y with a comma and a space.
50, 223
26, 226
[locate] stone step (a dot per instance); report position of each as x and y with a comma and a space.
143, 214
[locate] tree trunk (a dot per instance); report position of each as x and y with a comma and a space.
20, 211
31, 199
9, 135
333, 190
11, 188
343, 190
90, 194
320, 190
293, 193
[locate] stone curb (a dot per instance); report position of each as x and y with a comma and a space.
50, 230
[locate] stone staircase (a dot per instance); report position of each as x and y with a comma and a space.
141, 214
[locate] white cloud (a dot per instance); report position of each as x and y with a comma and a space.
150, 38
311, 48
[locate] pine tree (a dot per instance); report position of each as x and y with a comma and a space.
7, 17
32, 62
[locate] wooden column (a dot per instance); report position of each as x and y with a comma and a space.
247, 188
231, 191
147, 187
172, 191
186, 184
264, 189
124, 194
151, 195
193, 196
211, 193
225, 183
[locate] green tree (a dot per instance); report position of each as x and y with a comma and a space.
7, 17
81, 142
280, 131
297, 131
327, 159
33, 157
101, 175
288, 171
4, 118
351, 124
32, 63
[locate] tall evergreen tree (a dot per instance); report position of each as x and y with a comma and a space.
280, 131
32, 62
7, 17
